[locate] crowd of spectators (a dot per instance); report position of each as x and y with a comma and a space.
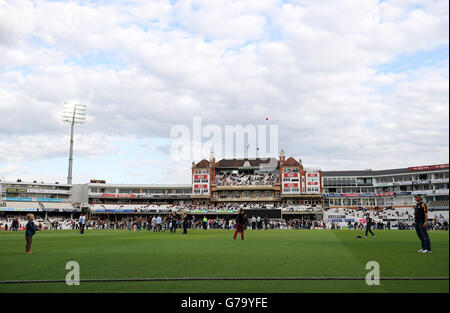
224, 206
304, 224
386, 218
262, 179
247, 205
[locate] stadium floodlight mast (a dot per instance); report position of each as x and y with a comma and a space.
74, 113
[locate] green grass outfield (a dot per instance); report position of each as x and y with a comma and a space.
213, 253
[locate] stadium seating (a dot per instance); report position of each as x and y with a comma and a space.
130, 208
22, 205
51, 205
439, 204
246, 180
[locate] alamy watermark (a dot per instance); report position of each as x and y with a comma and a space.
373, 277
229, 141
73, 276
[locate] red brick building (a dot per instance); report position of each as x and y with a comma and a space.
261, 181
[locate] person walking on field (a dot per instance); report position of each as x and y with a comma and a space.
240, 222
369, 222
421, 218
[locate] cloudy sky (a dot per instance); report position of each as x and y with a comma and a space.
350, 84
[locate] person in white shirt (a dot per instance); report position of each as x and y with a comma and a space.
253, 222
82, 222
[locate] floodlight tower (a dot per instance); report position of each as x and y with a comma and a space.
74, 113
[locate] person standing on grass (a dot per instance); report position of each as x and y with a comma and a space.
158, 223
420, 219
135, 222
253, 222
173, 223
185, 223
30, 230
240, 222
205, 223
369, 222
266, 223
82, 222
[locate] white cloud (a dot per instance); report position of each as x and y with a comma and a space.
388, 79
35, 147
8, 170
16, 21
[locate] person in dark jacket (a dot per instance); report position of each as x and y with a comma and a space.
29, 233
205, 223
185, 223
14, 224
369, 223
420, 219
173, 223
240, 222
